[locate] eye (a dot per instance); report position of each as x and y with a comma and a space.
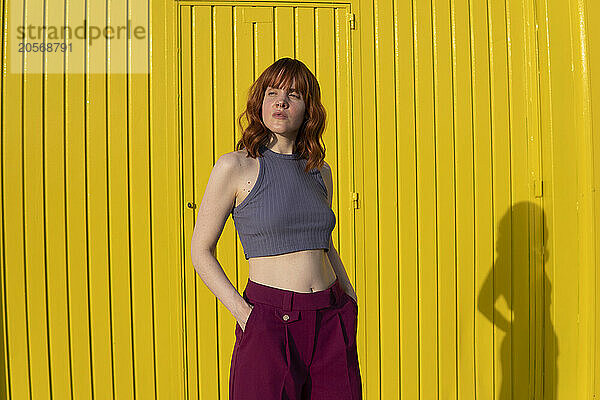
294, 94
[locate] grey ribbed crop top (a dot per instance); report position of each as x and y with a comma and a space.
286, 210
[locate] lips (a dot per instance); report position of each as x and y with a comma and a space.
279, 115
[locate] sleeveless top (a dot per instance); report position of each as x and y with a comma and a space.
286, 210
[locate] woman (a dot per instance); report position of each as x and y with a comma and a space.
296, 322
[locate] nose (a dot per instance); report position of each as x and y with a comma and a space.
281, 102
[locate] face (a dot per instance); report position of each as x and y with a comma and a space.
290, 104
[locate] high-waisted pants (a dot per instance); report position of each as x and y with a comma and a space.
296, 346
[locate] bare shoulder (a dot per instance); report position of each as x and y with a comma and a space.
227, 161
228, 164
246, 174
243, 162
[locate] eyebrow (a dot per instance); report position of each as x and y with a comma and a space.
293, 89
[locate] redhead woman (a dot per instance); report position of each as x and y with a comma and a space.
297, 317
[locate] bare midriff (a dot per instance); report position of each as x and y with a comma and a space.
305, 271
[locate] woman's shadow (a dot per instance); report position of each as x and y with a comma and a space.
529, 347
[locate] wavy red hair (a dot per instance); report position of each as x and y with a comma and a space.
280, 75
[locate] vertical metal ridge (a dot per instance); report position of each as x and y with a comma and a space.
23, 187
509, 84
87, 227
396, 178
4, 310
453, 59
432, 11
44, 203
129, 214
181, 233
377, 197
490, 60
415, 117
473, 188
336, 25
151, 230
193, 164
109, 265
65, 210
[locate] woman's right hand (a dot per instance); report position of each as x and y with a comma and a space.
243, 323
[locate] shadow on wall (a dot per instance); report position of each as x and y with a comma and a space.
529, 347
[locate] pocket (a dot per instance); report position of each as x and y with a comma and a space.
348, 315
250, 319
249, 323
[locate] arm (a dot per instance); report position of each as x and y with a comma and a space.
332, 254
213, 212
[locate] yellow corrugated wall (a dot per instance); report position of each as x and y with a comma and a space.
465, 170
477, 151
588, 64
89, 209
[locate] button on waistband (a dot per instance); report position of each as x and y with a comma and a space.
287, 316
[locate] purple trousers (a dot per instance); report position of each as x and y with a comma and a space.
296, 346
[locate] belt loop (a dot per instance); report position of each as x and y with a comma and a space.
287, 301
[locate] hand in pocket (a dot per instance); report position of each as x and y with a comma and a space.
243, 326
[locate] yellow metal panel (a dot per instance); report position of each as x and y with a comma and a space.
367, 183
257, 14
190, 346
445, 199
206, 322
284, 38
563, 267
426, 202
165, 118
482, 212
387, 205
33, 204
592, 11
97, 213
121, 306
18, 361
501, 180
459, 227
54, 197
464, 202
522, 71
76, 217
75, 169
585, 168
263, 37
409, 356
